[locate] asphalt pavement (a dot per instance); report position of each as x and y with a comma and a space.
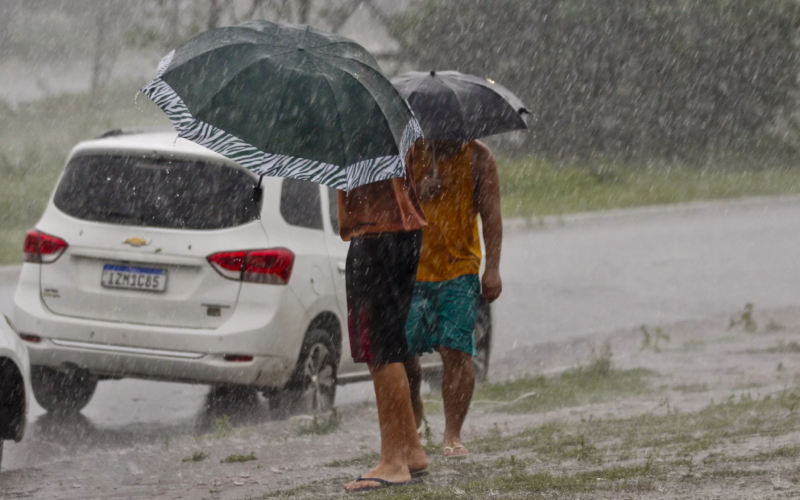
564, 278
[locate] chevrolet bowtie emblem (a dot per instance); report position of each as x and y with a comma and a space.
136, 242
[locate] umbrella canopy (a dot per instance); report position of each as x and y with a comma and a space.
453, 106
287, 101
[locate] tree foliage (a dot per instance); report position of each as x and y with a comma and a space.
655, 77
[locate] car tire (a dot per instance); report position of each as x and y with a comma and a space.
312, 387
59, 392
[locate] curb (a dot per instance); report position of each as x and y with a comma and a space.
9, 274
522, 224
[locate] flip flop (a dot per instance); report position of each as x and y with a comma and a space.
382, 482
450, 451
419, 473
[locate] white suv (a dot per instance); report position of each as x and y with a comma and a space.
157, 258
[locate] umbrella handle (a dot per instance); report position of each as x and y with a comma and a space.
258, 194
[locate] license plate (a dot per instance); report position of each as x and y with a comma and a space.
134, 278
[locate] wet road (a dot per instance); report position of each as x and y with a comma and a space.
584, 275
597, 274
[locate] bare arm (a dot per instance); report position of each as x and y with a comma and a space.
487, 201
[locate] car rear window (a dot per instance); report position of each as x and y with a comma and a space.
156, 192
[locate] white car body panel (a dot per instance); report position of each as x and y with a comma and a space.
71, 286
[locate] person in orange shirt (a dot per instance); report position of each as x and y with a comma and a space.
383, 223
457, 181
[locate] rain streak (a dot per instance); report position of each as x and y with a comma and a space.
443, 248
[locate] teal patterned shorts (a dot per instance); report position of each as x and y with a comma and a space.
443, 314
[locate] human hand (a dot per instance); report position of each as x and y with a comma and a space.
491, 285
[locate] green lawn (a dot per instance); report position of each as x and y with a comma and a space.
603, 457
532, 187
37, 137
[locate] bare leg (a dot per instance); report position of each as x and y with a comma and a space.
414, 372
457, 387
400, 446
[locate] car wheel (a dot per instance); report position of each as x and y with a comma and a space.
59, 392
483, 341
312, 388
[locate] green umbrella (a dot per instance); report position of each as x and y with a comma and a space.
287, 101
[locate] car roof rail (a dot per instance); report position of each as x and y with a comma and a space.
116, 132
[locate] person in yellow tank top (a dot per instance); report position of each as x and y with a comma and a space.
456, 182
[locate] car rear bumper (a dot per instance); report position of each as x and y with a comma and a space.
124, 361
267, 325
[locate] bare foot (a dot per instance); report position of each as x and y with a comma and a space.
417, 459
393, 475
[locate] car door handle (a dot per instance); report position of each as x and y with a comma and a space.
342, 267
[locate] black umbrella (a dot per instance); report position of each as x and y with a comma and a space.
287, 101
453, 106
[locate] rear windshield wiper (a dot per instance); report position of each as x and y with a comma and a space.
122, 215
137, 217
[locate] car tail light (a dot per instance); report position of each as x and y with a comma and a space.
42, 248
238, 358
272, 266
33, 339
269, 266
228, 264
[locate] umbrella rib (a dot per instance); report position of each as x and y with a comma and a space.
282, 95
460, 103
337, 42
200, 54
225, 82
338, 117
480, 83
401, 154
394, 89
503, 99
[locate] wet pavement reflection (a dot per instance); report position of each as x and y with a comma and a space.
128, 413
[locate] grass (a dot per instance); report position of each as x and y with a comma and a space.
674, 432
745, 319
691, 388
486, 481
533, 187
784, 348
222, 427
620, 456
584, 385
368, 459
234, 459
321, 425
197, 456
621, 479
650, 339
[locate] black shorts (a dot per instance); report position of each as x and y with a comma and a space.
381, 272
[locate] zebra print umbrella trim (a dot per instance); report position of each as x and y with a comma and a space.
277, 165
